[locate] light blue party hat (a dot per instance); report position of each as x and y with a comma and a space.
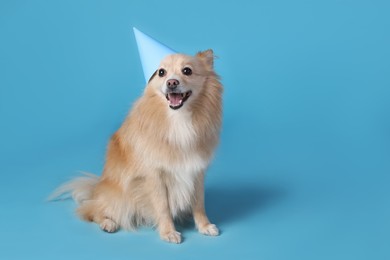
151, 52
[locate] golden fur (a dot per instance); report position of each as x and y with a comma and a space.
156, 161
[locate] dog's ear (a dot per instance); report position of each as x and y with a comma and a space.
207, 57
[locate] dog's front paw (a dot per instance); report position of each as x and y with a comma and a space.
209, 230
171, 237
109, 225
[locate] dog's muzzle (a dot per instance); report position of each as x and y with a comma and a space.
176, 99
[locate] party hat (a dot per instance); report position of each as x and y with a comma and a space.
151, 52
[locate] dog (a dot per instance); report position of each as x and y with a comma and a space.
156, 162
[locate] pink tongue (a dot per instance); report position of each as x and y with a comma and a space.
175, 99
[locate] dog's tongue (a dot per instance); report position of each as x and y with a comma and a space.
175, 99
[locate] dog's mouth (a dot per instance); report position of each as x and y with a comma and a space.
176, 100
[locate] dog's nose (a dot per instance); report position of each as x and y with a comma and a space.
172, 83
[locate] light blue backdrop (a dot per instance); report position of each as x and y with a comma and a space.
303, 168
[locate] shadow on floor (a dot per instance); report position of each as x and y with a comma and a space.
235, 203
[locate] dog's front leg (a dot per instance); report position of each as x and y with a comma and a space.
199, 212
163, 215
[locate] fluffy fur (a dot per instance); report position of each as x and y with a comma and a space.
156, 161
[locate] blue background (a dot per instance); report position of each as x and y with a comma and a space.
303, 168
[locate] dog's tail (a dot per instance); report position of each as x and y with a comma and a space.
80, 189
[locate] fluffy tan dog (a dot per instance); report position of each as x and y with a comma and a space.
156, 161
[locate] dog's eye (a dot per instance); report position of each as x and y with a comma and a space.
187, 71
161, 72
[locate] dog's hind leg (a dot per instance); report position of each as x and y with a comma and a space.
104, 208
89, 211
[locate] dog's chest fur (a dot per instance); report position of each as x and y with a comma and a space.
181, 130
181, 175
